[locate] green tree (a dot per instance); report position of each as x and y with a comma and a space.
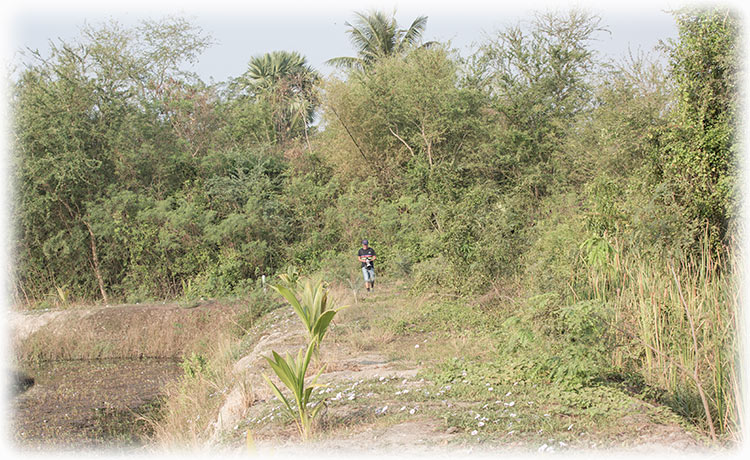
539, 81
402, 120
701, 151
375, 35
92, 115
286, 85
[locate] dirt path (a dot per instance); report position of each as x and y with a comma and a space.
379, 402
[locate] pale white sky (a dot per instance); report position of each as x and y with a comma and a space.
316, 29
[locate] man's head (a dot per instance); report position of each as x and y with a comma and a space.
365, 243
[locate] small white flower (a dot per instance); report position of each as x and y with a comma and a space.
402, 408
481, 424
416, 346
382, 378
489, 389
411, 411
507, 394
514, 415
474, 433
546, 415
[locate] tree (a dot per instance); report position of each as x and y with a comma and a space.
287, 84
375, 36
539, 81
407, 113
701, 151
95, 114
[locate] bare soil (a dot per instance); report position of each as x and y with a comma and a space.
76, 405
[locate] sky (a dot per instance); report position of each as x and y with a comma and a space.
317, 29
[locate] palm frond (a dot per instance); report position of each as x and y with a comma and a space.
413, 35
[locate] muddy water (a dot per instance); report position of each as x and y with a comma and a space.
83, 405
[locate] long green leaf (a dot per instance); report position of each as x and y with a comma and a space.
283, 370
292, 299
321, 326
279, 395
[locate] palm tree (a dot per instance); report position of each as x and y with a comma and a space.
375, 35
288, 84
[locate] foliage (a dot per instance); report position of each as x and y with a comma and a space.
283, 82
700, 149
291, 371
375, 36
540, 84
529, 163
311, 304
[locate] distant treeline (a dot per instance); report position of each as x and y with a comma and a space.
135, 180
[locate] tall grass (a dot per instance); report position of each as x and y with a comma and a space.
192, 403
683, 314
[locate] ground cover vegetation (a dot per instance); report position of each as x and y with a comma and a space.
581, 214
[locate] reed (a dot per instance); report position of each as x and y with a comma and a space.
682, 313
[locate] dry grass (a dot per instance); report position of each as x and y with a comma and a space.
129, 331
192, 403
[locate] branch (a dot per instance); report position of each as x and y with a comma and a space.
349, 133
402, 141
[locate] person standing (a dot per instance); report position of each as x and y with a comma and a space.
367, 256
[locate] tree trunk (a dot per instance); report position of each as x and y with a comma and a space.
95, 263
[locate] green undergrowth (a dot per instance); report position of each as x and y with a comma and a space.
476, 381
522, 356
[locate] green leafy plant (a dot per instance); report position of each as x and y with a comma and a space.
290, 278
313, 307
291, 372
